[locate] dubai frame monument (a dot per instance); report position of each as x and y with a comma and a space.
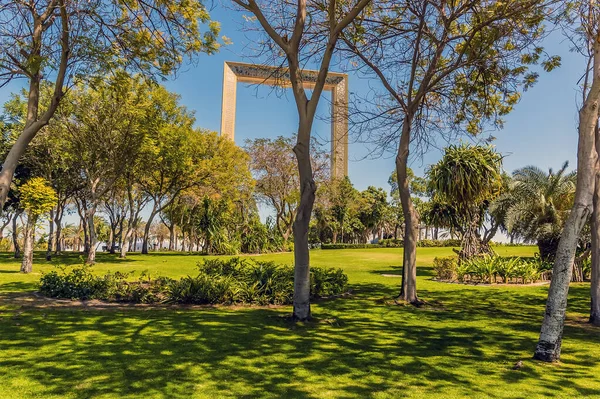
337, 83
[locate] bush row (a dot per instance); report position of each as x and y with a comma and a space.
394, 243
491, 269
219, 281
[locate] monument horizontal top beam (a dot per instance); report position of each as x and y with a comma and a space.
337, 83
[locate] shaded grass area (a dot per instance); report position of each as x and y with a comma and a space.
463, 343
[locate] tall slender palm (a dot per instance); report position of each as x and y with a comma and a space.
538, 204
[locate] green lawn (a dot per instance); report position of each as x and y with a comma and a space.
462, 344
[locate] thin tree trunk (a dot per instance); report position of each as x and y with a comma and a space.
549, 344
91, 258
147, 230
408, 291
58, 222
50, 235
15, 236
172, 237
27, 262
301, 223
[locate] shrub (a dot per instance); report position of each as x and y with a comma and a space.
391, 243
445, 268
438, 243
222, 281
81, 283
349, 246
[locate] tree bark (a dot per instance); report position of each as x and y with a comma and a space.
58, 222
15, 236
301, 224
549, 344
50, 235
408, 291
595, 277
27, 262
595, 245
147, 230
91, 258
172, 237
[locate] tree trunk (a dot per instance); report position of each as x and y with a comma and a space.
15, 236
147, 230
27, 262
50, 235
301, 223
595, 277
408, 292
595, 246
91, 258
172, 237
58, 222
549, 344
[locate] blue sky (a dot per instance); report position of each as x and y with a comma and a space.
541, 130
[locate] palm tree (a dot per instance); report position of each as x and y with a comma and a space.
537, 205
468, 177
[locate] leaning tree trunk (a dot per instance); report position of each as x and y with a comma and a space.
549, 344
15, 236
147, 230
50, 235
27, 262
408, 291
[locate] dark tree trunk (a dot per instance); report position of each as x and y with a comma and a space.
595, 275
15, 236
50, 235
58, 222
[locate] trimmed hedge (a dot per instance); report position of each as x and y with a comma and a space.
219, 281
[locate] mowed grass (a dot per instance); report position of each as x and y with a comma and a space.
463, 343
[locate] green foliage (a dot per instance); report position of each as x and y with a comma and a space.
349, 246
467, 175
81, 283
219, 281
487, 269
37, 197
445, 268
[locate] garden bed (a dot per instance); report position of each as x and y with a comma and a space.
492, 270
225, 282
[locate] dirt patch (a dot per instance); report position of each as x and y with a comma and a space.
391, 275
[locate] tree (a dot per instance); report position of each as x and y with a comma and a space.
468, 176
446, 68
103, 127
59, 40
37, 198
180, 158
274, 167
304, 33
537, 205
583, 24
